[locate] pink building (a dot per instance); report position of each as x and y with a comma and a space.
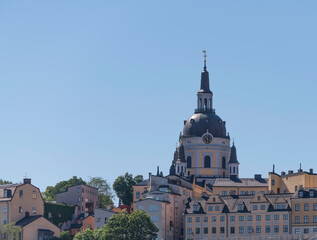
84, 197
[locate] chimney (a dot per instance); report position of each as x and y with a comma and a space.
26, 180
282, 173
290, 171
257, 176
311, 171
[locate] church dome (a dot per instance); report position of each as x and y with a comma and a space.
199, 123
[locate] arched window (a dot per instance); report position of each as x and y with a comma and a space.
230, 169
234, 170
207, 162
200, 104
21, 193
205, 104
182, 169
224, 163
209, 103
177, 169
189, 162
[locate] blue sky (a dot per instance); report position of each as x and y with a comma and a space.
99, 88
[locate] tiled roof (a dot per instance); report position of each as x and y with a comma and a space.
26, 220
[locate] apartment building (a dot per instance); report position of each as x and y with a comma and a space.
23, 204
84, 197
164, 198
238, 217
304, 213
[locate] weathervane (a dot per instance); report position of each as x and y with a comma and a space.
205, 55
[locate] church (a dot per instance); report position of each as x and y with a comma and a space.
204, 150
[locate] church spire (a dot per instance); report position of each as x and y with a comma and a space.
204, 82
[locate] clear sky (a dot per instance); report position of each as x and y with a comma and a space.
100, 88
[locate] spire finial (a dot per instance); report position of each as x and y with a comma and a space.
205, 58
233, 141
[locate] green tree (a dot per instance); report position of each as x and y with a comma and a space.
10, 231
123, 186
65, 235
5, 182
125, 226
88, 234
50, 192
105, 194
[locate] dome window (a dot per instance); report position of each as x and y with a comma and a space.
189, 162
207, 162
224, 163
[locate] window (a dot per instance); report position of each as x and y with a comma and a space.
154, 218
259, 198
276, 217
207, 162
189, 219
315, 230
262, 207
273, 182
250, 218
311, 193
305, 219
258, 229
138, 194
296, 219
232, 230
189, 162
197, 230
210, 208
297, 207
224, 163
306, 206
153, 208
205, 219
241, 218
214, 230
258, 217
242, 192
241, 230
78, 190
267, 229
315, 219
5, 209
240, 207
79, 199
141, 207
5, 194
217, 208
250, 229
252, 192
276, 228
21, 193
232, 218
224, 193
300, 194
20, 209
222, 230
267, 217
205, 230
34, 194
285, 216
98, 220
222, 218
4, 221
285, 228
297, 231
315, 206
255, 207
34, 210
189, 230
213, 218
197, 219
306, 230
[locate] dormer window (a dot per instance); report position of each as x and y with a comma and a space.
240, 207
311, 193
21, 193
300, 194
163, 189
196, 208
5, 193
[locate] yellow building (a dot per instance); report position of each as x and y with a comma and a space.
23, 204
238, 217
290, 182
